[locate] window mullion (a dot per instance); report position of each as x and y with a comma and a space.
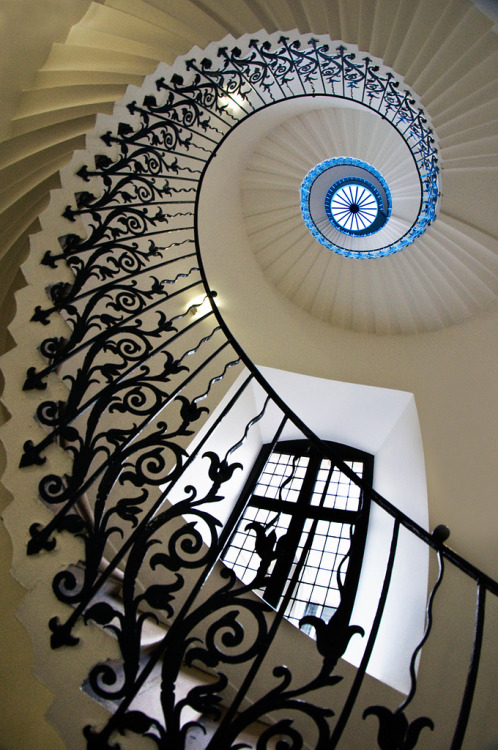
299, 511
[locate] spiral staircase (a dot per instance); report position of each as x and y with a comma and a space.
208, 153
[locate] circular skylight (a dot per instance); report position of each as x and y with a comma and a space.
345, 198
355, 206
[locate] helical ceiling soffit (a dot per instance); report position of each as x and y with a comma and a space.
449, 275
347, 106
350, 107
448, 270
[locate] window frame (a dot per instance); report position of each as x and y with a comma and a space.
303, 509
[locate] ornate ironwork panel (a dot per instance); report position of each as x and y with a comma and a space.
159, 445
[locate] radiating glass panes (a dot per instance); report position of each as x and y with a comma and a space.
354, 207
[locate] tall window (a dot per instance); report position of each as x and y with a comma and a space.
298, 506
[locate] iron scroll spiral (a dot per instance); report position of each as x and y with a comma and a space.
142, 363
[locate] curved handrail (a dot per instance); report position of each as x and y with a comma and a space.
135, 403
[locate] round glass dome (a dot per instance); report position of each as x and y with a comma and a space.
344, 200
355, 206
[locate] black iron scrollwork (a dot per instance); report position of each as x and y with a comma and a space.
395, 731
142, 371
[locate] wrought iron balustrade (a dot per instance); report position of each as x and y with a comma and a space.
160, 444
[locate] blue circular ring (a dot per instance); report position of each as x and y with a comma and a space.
382, 196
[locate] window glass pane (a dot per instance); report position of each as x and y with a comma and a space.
314, 558
357, 467
309, 574
323, 577
241, 556
333, 598
295, 611
304, 591
279, 468
328, 561
317, 591
319, 541
343, 546
321, 571
341, 492
331, 544
335, 529
250, 512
